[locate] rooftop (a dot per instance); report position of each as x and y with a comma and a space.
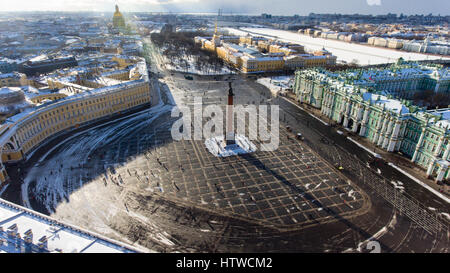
391, 104
58, 236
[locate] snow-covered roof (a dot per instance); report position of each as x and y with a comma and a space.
390, 104
444, 115
267, 58
60, 237
10, 75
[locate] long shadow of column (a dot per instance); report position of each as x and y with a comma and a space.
250, 158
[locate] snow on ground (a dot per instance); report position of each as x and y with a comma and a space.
60, 176
446, 215
348, 52
435, 192
364, 147
351, 194
3, 189
319, 119
276, 84
216, 146
191, 68
365, 244
398, 185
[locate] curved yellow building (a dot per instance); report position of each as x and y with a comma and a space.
22, 133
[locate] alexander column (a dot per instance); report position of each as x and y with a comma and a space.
230, 118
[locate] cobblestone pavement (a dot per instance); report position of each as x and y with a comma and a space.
286, 188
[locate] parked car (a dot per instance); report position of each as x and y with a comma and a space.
299, 136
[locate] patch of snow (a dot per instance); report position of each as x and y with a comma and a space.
440, 195
351, 194
364, 147
190, 67
4, 189
217, 147
276, 84
323, 122
446, 215
398, 186
379, 233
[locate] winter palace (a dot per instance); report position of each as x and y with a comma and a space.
373, 104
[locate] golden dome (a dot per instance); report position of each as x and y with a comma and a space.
118, 20
117, 13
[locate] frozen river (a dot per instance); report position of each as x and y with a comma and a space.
365, 55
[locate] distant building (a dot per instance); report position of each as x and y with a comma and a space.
7, 65
427, 46
13, 79
47, 65
167, 28
252, 54
118, 20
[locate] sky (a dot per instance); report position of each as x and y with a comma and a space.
275, 7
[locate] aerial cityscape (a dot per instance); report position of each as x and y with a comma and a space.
160, 127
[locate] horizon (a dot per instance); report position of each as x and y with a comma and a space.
214, 13
236, 7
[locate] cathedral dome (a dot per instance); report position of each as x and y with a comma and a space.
118, 20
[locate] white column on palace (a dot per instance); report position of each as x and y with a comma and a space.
394, 137
441, 173
419, 144
447, 151
382, 131
388, 133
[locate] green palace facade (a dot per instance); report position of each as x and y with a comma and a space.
372, 103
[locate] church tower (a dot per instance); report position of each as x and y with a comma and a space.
216, 37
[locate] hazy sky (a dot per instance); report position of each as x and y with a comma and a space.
276, 7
